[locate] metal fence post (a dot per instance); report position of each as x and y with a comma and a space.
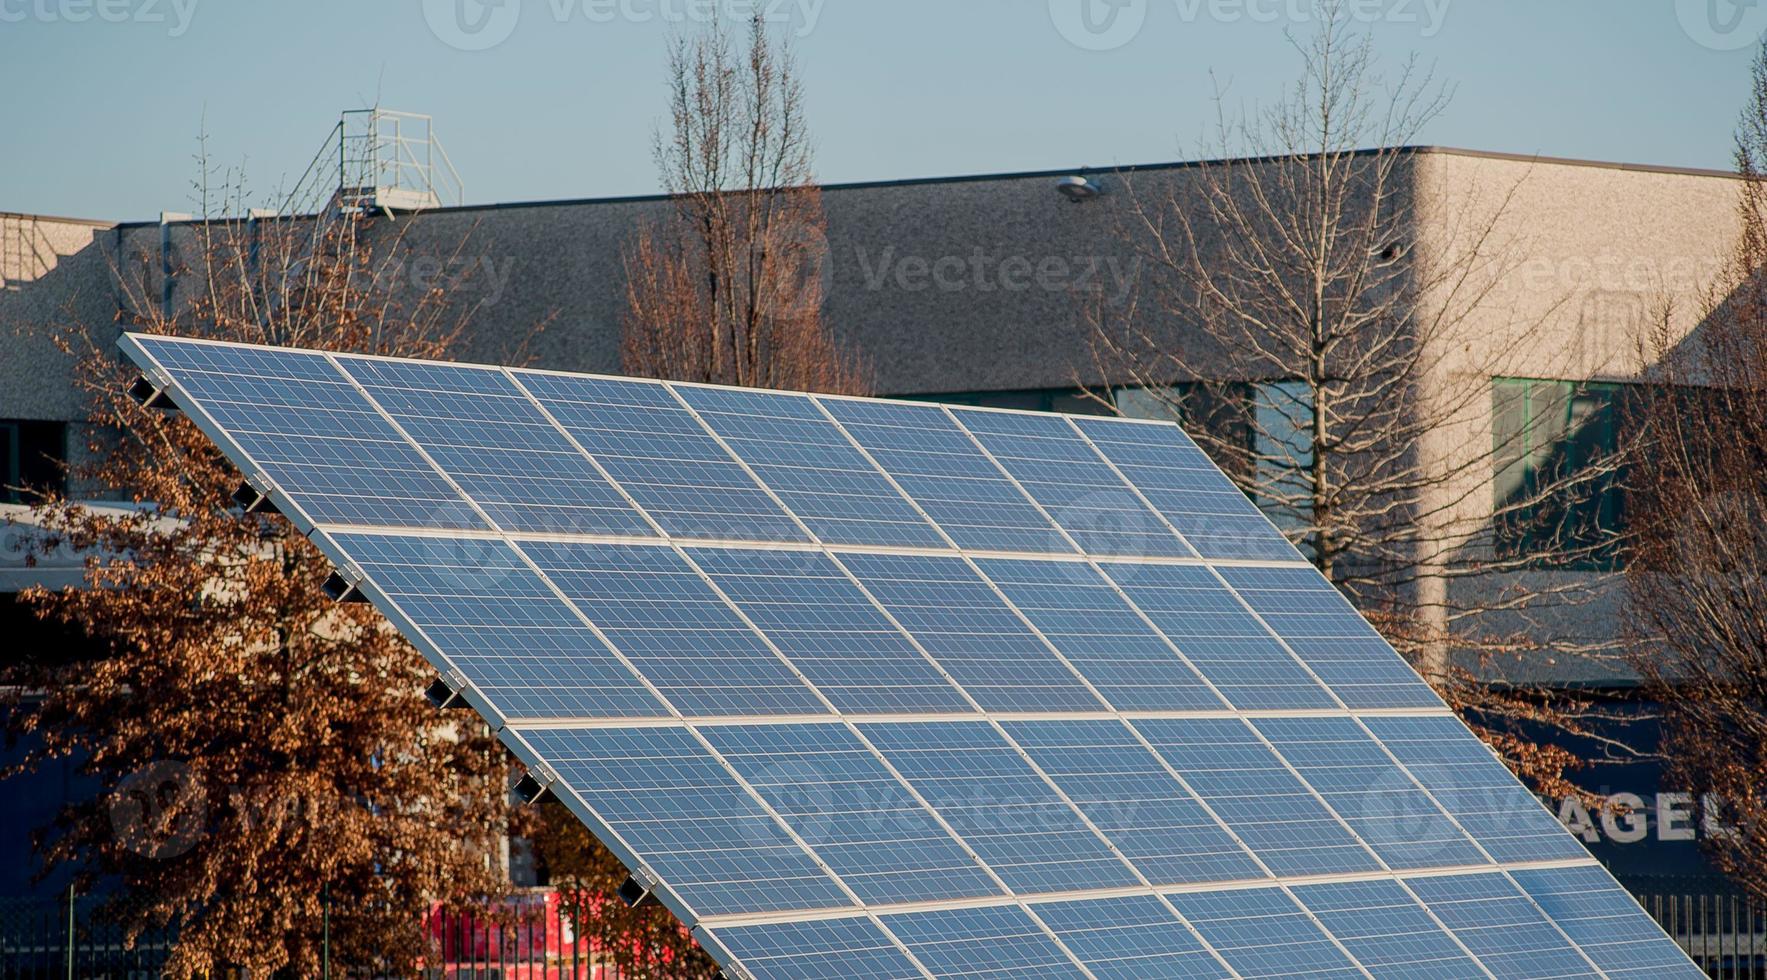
70, 931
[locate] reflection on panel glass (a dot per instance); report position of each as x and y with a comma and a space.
936, 463
1461, 773
660, 454
1187, 489
834, 634
1501, 926
858, 818
812, 466
998, 941
1226, 643
654, 608
1334, 641
500, 625
994, 800
826, 949
1370, 792
684, 815
1077, 488
490, 439
313, 434
1606, 923
1260, 932
1078, 611
1134, 801
962, 622
1258, 797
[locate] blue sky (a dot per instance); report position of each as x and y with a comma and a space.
105, 98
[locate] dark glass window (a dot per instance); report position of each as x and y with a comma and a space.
1558, 486
32, 455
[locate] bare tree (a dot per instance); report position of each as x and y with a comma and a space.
1318, 346
1698, 582
729, 288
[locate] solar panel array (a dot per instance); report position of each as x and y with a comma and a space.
874, 689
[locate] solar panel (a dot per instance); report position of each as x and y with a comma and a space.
861, 688
1386, 929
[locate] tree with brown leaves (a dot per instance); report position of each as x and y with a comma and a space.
269, 759
1698, 580
729, 287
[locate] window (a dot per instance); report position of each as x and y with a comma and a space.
1558, 485
31, 456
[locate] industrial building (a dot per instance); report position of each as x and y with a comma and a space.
979, 290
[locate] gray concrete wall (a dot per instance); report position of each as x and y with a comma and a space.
1592, 257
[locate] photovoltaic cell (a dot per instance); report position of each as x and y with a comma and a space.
1370, 792
1134, 938
499, 518
1013, 820
958, 619
489, 438
999, 941
831, 630
1605, 923
1260, 932
852, 811
1331, 637
1460, 772
310, 431
1387, 931
1505, 930
1099, 634
938, 465
501, 626
654, 608
825, 949
1226, 643
1265, 805
682, 813
1062, 472
1134, 801
1187, 489
663, 457
812, 466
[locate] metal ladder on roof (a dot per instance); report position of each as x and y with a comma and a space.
377, 160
